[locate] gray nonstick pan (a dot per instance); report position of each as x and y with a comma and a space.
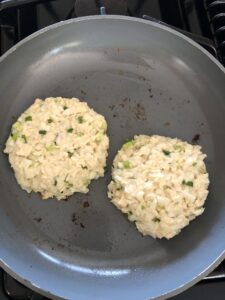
144, 78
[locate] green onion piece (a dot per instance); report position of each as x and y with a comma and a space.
55, 182
97, 141
17, 126
103, 127
70, 154
80, 119
43, 132
194, 164
84, 167
24, 138
178, 147
86, 182
98, 138
49, 120
188, 183
70, 130
68, 184
156, 220
127, 164
128, 144
14, 136
65, 107
166, 152
28, 118
51, 147
55, 141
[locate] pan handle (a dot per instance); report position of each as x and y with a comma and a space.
203, 41
102, 11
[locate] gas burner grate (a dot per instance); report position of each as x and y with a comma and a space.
11, 289
216, 16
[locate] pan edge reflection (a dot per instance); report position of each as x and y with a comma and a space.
85, 270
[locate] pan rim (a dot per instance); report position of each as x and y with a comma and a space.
215, 262
112, 17
166, 295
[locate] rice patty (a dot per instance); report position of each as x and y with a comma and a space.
57, 146
160, 182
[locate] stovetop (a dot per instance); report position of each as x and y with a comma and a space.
202, 20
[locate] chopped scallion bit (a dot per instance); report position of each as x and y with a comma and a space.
17, 126
51, 147
55, 182
49, 120
128, 144
14, 136
43, 132
65, 107
70, 154
80, 133
178, 147
65, 180
80, 119
84, 167
69, 185
24, 138
194, 164
87, 182
70, 130
55, 141
156, 220
127, 164
28, 118
166, 152
188, 183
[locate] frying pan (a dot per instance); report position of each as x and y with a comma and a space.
144, 78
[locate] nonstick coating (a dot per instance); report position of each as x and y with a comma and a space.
144, 78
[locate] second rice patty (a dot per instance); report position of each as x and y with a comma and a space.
161, 183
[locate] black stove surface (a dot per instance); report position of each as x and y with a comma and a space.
202, 20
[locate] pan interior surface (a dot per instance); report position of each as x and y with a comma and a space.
145, 80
